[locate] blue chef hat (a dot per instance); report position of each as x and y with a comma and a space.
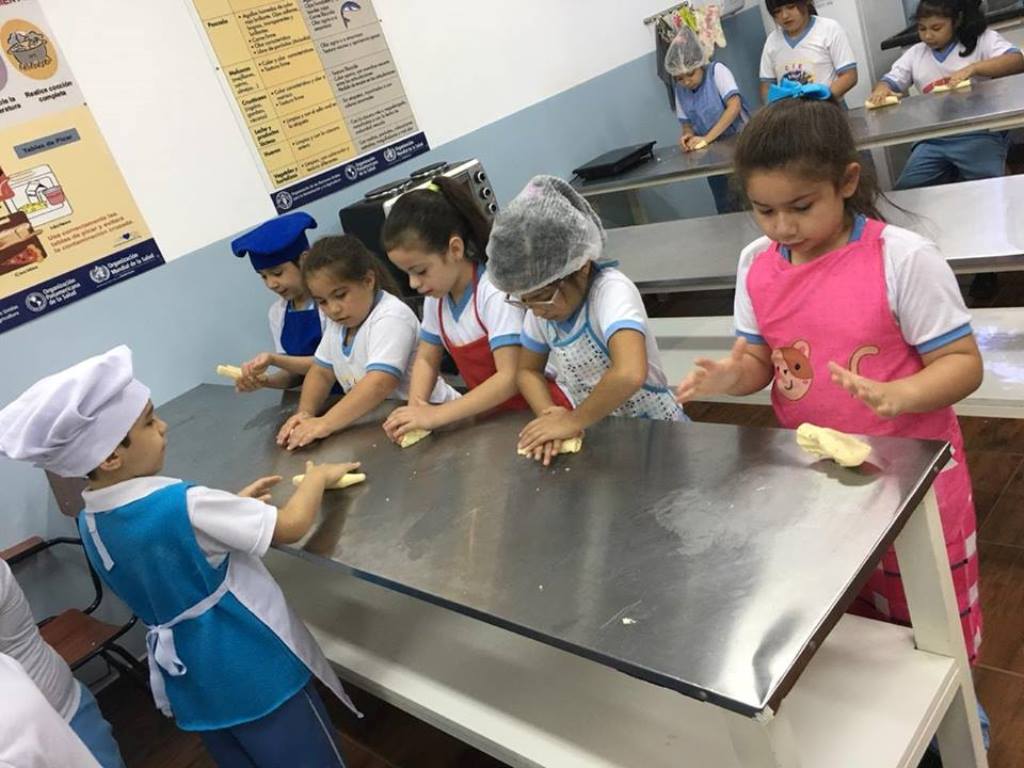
276, 241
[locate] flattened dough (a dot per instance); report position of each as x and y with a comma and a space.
889, 101
845, 450
699, 145
233, 372
412, 437
946, 88
352, 478
572, 445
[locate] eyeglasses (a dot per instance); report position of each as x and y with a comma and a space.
525, 303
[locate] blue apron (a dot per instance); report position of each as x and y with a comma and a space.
301, 332
704, 107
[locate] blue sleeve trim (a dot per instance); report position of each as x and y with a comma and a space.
431, 338
846, 68
768, 79
384, 368
730, 94
322, 363
685, 121
623, 325
507, 340
892, 84
533, 345
1011, 50
753, 338
946, 338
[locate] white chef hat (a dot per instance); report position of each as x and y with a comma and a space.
71, 421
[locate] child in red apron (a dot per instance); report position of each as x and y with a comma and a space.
438, 236
859, 325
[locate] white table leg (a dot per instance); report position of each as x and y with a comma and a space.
763, 743
924, 566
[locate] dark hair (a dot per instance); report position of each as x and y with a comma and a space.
968, 19
774, 5
91, 474
428, 218
809, 138
348, 260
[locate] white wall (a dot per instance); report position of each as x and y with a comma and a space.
148, 76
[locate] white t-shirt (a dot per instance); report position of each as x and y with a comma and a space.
923, 293
724, 82
613, 304
502, 322
20, 639
921, 66
276, 318
819, 55
386, 342
32, 734
223, 522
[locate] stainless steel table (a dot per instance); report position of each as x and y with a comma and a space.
977, 225
653, 559
988, 106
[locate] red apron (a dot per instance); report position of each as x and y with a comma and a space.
475, 361
835, 308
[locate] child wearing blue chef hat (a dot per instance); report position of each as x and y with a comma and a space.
227, 657
296, 325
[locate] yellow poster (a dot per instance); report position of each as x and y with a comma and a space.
316, 88
68, 224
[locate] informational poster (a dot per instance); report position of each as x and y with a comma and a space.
317, 91
68, 224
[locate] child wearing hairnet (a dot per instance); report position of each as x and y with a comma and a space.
708, 104
585, 322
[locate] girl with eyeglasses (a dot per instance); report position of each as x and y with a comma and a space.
585, 321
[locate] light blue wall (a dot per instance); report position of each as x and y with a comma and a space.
207, 308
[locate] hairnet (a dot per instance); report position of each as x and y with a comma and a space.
685, 53
546, 233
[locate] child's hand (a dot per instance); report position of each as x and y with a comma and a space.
260, 489
418, 415
254, 374
713, 377
880, 94
684, 142
307, 431
554, 424
693, 143
965, 73
291, 424
546, 452
331, 473
885, 398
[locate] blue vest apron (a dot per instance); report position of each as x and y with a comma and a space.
301, 332
237, 668
704, 107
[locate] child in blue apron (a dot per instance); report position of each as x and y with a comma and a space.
296, 325
227, 658
708, 104
438, 236
585, 321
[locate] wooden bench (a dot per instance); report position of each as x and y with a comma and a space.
1000, 334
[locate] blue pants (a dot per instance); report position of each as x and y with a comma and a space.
956, 158
725, 199
298, 733
95, 732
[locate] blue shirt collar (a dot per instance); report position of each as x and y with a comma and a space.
457, 307
942, 55
795, 41
859, 222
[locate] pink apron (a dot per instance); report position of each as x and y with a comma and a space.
804, 313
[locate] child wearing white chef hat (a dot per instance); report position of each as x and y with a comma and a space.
226, 655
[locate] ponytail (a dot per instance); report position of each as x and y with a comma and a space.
347, 260
428, 218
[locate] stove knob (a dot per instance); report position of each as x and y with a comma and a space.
486, 193
480, 177
492, 207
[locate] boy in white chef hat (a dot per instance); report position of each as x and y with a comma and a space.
227, 657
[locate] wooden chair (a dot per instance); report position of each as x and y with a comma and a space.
75, 633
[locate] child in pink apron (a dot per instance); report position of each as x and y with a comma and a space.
438, 237
859, 325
